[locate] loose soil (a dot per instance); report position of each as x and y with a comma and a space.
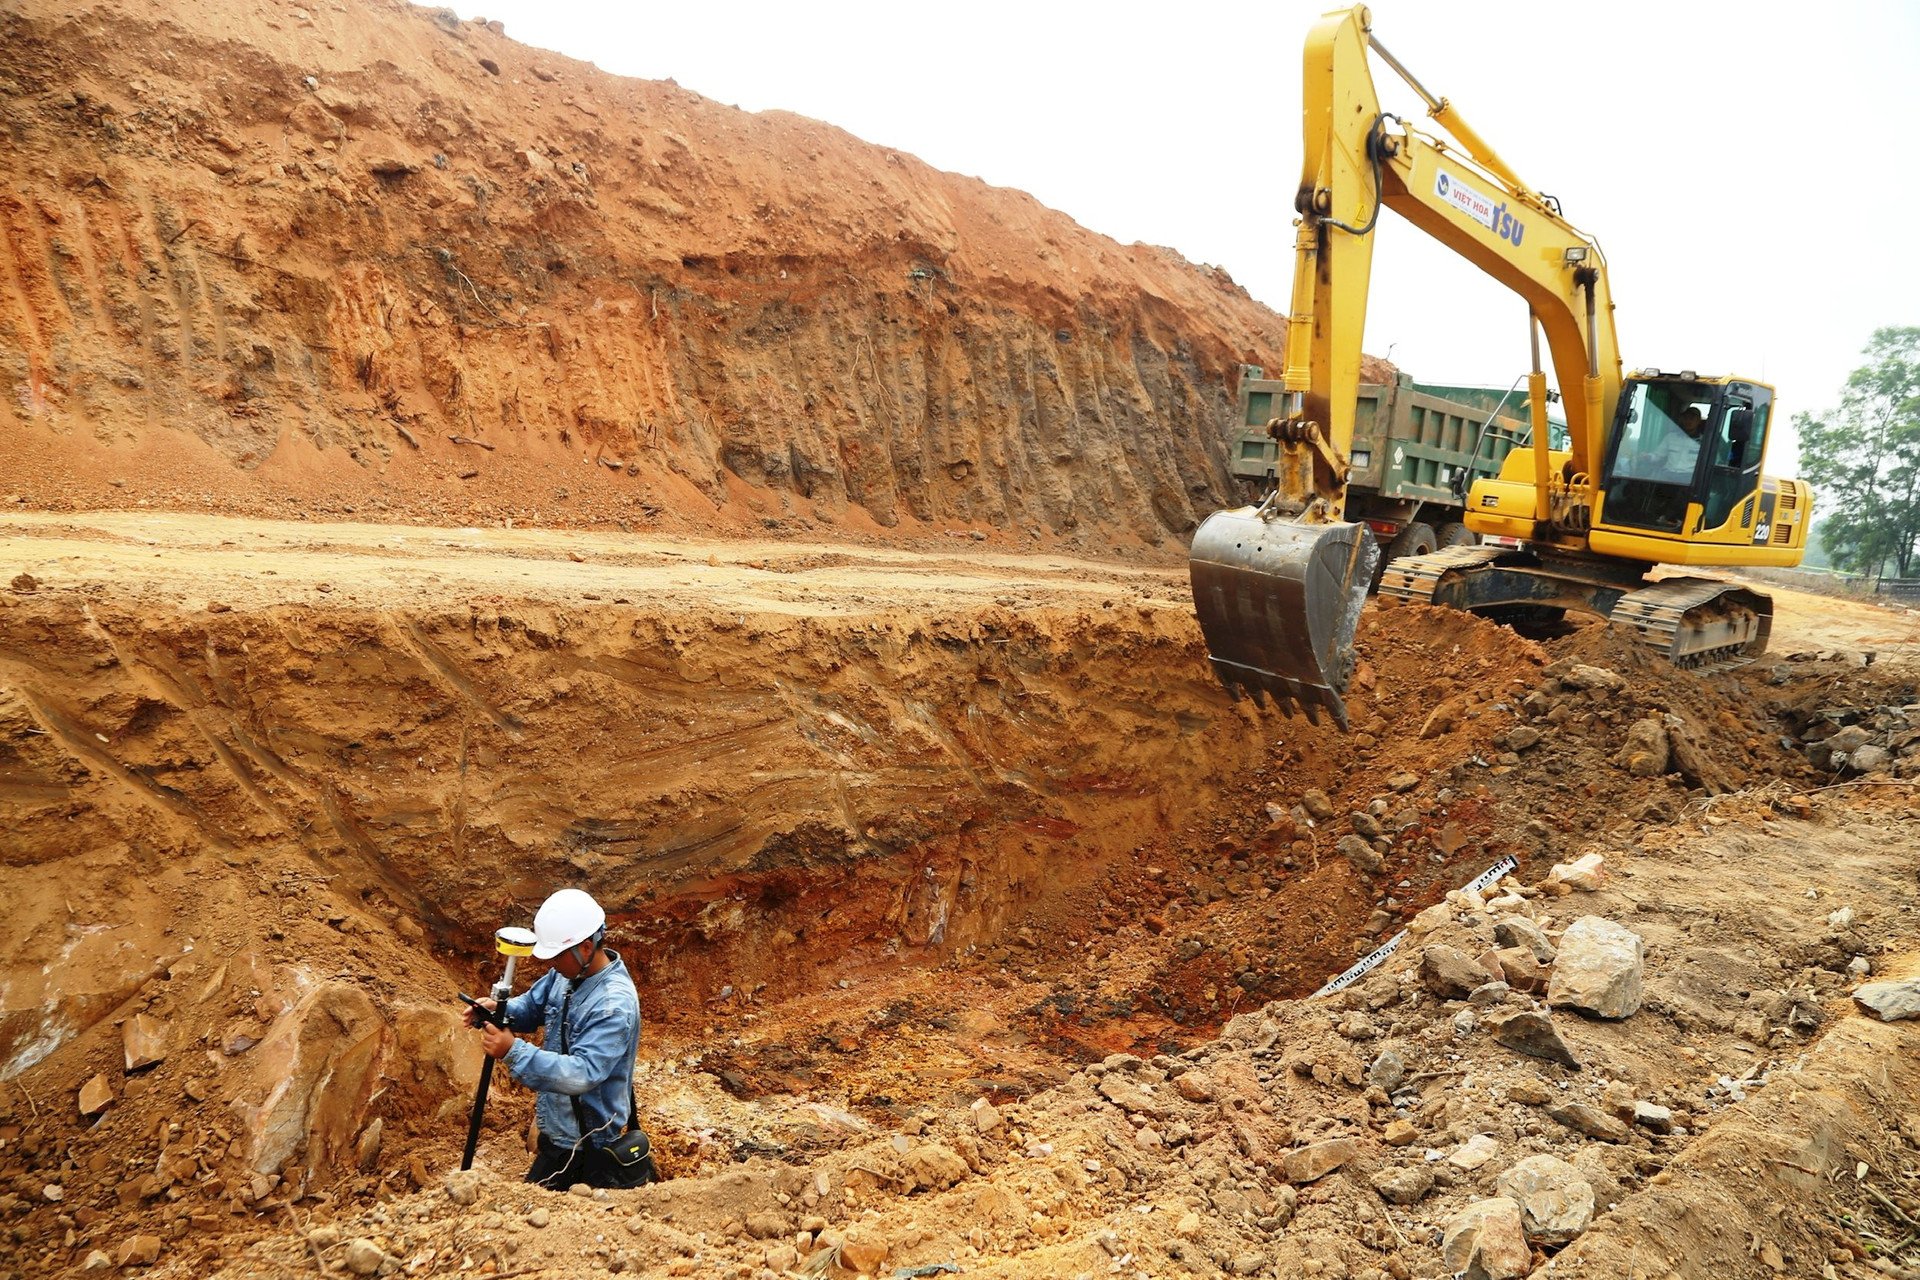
931, 869
436, 471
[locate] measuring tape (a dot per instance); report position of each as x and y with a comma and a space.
1373, 959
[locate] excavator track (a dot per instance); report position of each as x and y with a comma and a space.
1416, 578
1698, 623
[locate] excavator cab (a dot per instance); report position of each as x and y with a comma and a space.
1683, 461
1662, 434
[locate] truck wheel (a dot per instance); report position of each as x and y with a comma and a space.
1417, 539
1455, 534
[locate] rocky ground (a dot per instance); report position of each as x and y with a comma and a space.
433, 471
1002, 963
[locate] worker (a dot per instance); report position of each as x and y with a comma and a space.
1674, 456
584, 1072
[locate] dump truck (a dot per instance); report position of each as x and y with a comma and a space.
1417, 449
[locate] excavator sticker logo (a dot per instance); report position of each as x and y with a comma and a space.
1495, 217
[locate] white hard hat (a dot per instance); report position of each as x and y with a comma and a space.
566, 919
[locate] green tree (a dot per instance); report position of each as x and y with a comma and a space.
1863, 460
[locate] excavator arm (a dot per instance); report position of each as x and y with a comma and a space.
1360, 160
1279, 587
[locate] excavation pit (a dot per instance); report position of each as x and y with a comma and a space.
880, 836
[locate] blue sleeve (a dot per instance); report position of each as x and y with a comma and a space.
527, 1010
606, 1044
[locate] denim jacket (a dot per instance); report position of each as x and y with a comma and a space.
602, 1039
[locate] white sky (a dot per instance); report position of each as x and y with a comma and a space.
1747, 167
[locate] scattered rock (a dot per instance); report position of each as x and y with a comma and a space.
1189, 1226
25, 583
934, 1167
1531, 1091
1247, 1264
1402, 781
1890, 1001
1129, 1095
1318, 1159
1474, 1152
97, 1260
1585, 872
1556, 1204
1518, 931
1487, 1240
140, 1251
463, 1186
1588, 1119
1649, 1116
1646, 751
1194, 1086
539, 1218
1400, 1133
1313, 800
1533, 1034
766, 1225
1449, 972
1599, 969
782, 1258
1871, 758
392, 167
986, 1117
1597, 679
1519, 967
1388, 1070
1406, 1184
363, 1257
862, 1250
96, 1095
1364, 857
366, 1151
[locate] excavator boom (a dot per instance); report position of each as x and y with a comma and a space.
1279, 586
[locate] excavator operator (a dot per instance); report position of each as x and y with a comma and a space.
1678, 452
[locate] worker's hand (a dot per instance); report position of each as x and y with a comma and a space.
474, 1015
495, 1041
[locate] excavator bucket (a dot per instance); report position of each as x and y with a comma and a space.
1278, 601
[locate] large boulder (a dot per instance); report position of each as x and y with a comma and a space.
1598, 970
312, 1080
1890, 1001
1556, 1203
1487, 1240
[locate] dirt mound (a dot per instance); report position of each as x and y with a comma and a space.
370, 258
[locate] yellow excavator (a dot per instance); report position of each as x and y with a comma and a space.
1662, 468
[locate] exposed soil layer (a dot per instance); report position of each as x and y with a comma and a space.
363, 256
883, 835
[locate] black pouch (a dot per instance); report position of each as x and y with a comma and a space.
632, 1155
